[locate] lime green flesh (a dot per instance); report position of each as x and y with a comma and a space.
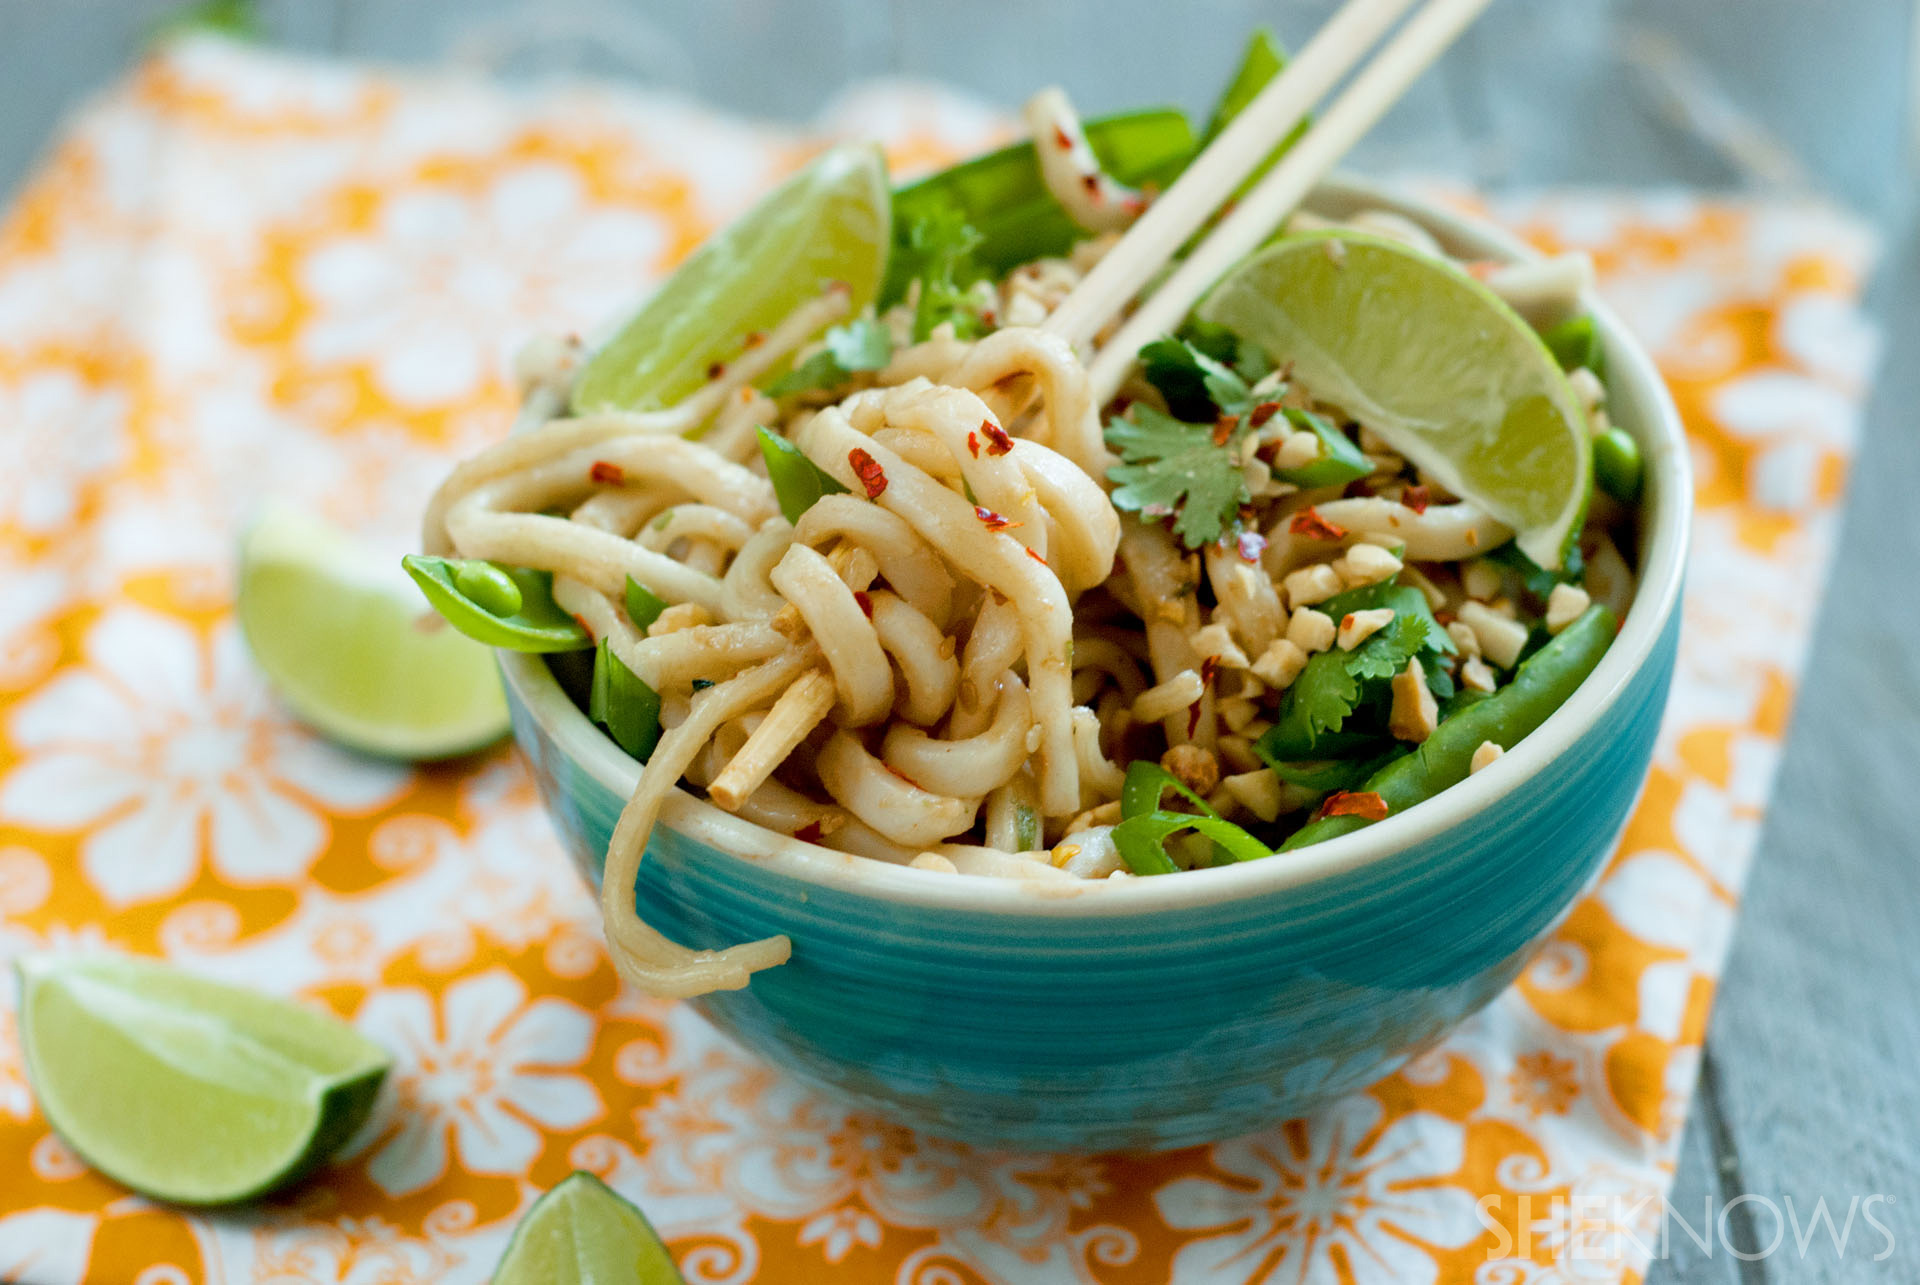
354, 649
1431, 360
187, 1090
583, 1233
830, 222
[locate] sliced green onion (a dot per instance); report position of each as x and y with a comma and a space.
643, 605
798, 483
1340, 460
1141, 841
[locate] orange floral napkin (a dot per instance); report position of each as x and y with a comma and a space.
240, 275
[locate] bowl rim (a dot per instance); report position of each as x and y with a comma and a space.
1667, 520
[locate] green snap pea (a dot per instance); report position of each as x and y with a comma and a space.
798, 483
1541, 685
1575, 343
488, 587
1617, 465
1340, 460
624, 704
532, 623
643, 605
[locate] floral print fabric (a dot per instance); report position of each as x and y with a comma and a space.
239, 275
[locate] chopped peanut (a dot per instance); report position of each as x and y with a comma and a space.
1483, 756
1236, 754
1476, 677
1238, 712
1464, 638
1358, 626
1193, 766
1415, 713
1312, 584
1436, 596
1367, 564
1564, 606
1299, 450
1257, 792
1310, 630
1481, 579
1217, 641
1588, 388
681, 615
1280, 664
1500, 638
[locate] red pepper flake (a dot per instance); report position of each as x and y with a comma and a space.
607, 473
1134, 204
1481, 269
1355, 803
973, 445
1092, 183
808, 833
988, 317
1262, 413
1250, 545
1443, 618
585, 628
1416, 498
998, 442
1060, 139
716, 370
1314, 527
1193, 719
902, 775
755, 338
1346, 623
872, 477
1209, 668
994, 521
866, 603
1036, 557
1223, 428
1358, 489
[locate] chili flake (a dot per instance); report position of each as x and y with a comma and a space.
1193, 719
1060, 139
993, 521
998, 442
1262, 413
868, 469
973, 445
755, 338
1355, 803
865, 600
1223, 428
716, 370
1091, 182
902, 775
1036, 557
808, 833
1209, 668
607, 473
1417, 498
1310, 524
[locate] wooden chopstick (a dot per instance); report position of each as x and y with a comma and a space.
1373, 91
1214, 175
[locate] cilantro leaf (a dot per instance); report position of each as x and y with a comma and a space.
939, 254
1176, 469
1203, 372
859, 345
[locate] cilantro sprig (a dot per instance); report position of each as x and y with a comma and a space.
1174, 469
939, 255
864, 344
1204, 372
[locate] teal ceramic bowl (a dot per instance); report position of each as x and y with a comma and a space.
1173, 1010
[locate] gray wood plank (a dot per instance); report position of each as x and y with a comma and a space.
1699, 1193
1816, 1036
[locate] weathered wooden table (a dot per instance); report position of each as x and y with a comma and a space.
1811, 1085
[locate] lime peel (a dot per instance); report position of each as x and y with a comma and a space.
583, 1232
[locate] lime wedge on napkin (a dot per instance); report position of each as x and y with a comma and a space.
184, 1089
1431, 360
353, 648
583, 1233
830, 222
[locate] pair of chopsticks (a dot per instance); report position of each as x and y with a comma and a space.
1213, 176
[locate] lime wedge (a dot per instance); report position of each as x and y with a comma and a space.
353, 648
830, 222
187, 1090
1431, 360
583, 1233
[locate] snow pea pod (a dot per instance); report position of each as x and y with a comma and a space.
1542, 684
501, 606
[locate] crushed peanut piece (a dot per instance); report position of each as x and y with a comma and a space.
1358, 626
1257, 792
1476, 677
1193, 766
1217, 641
1481, 579
1367, 564
1312, 584
1310, 630
1464, 638
1415, 713
1500, 638
1564, 606
1280, 663
1299, 450
1484, 756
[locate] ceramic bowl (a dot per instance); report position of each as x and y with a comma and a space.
1166, 1011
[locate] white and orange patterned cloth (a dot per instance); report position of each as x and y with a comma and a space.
239, 275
